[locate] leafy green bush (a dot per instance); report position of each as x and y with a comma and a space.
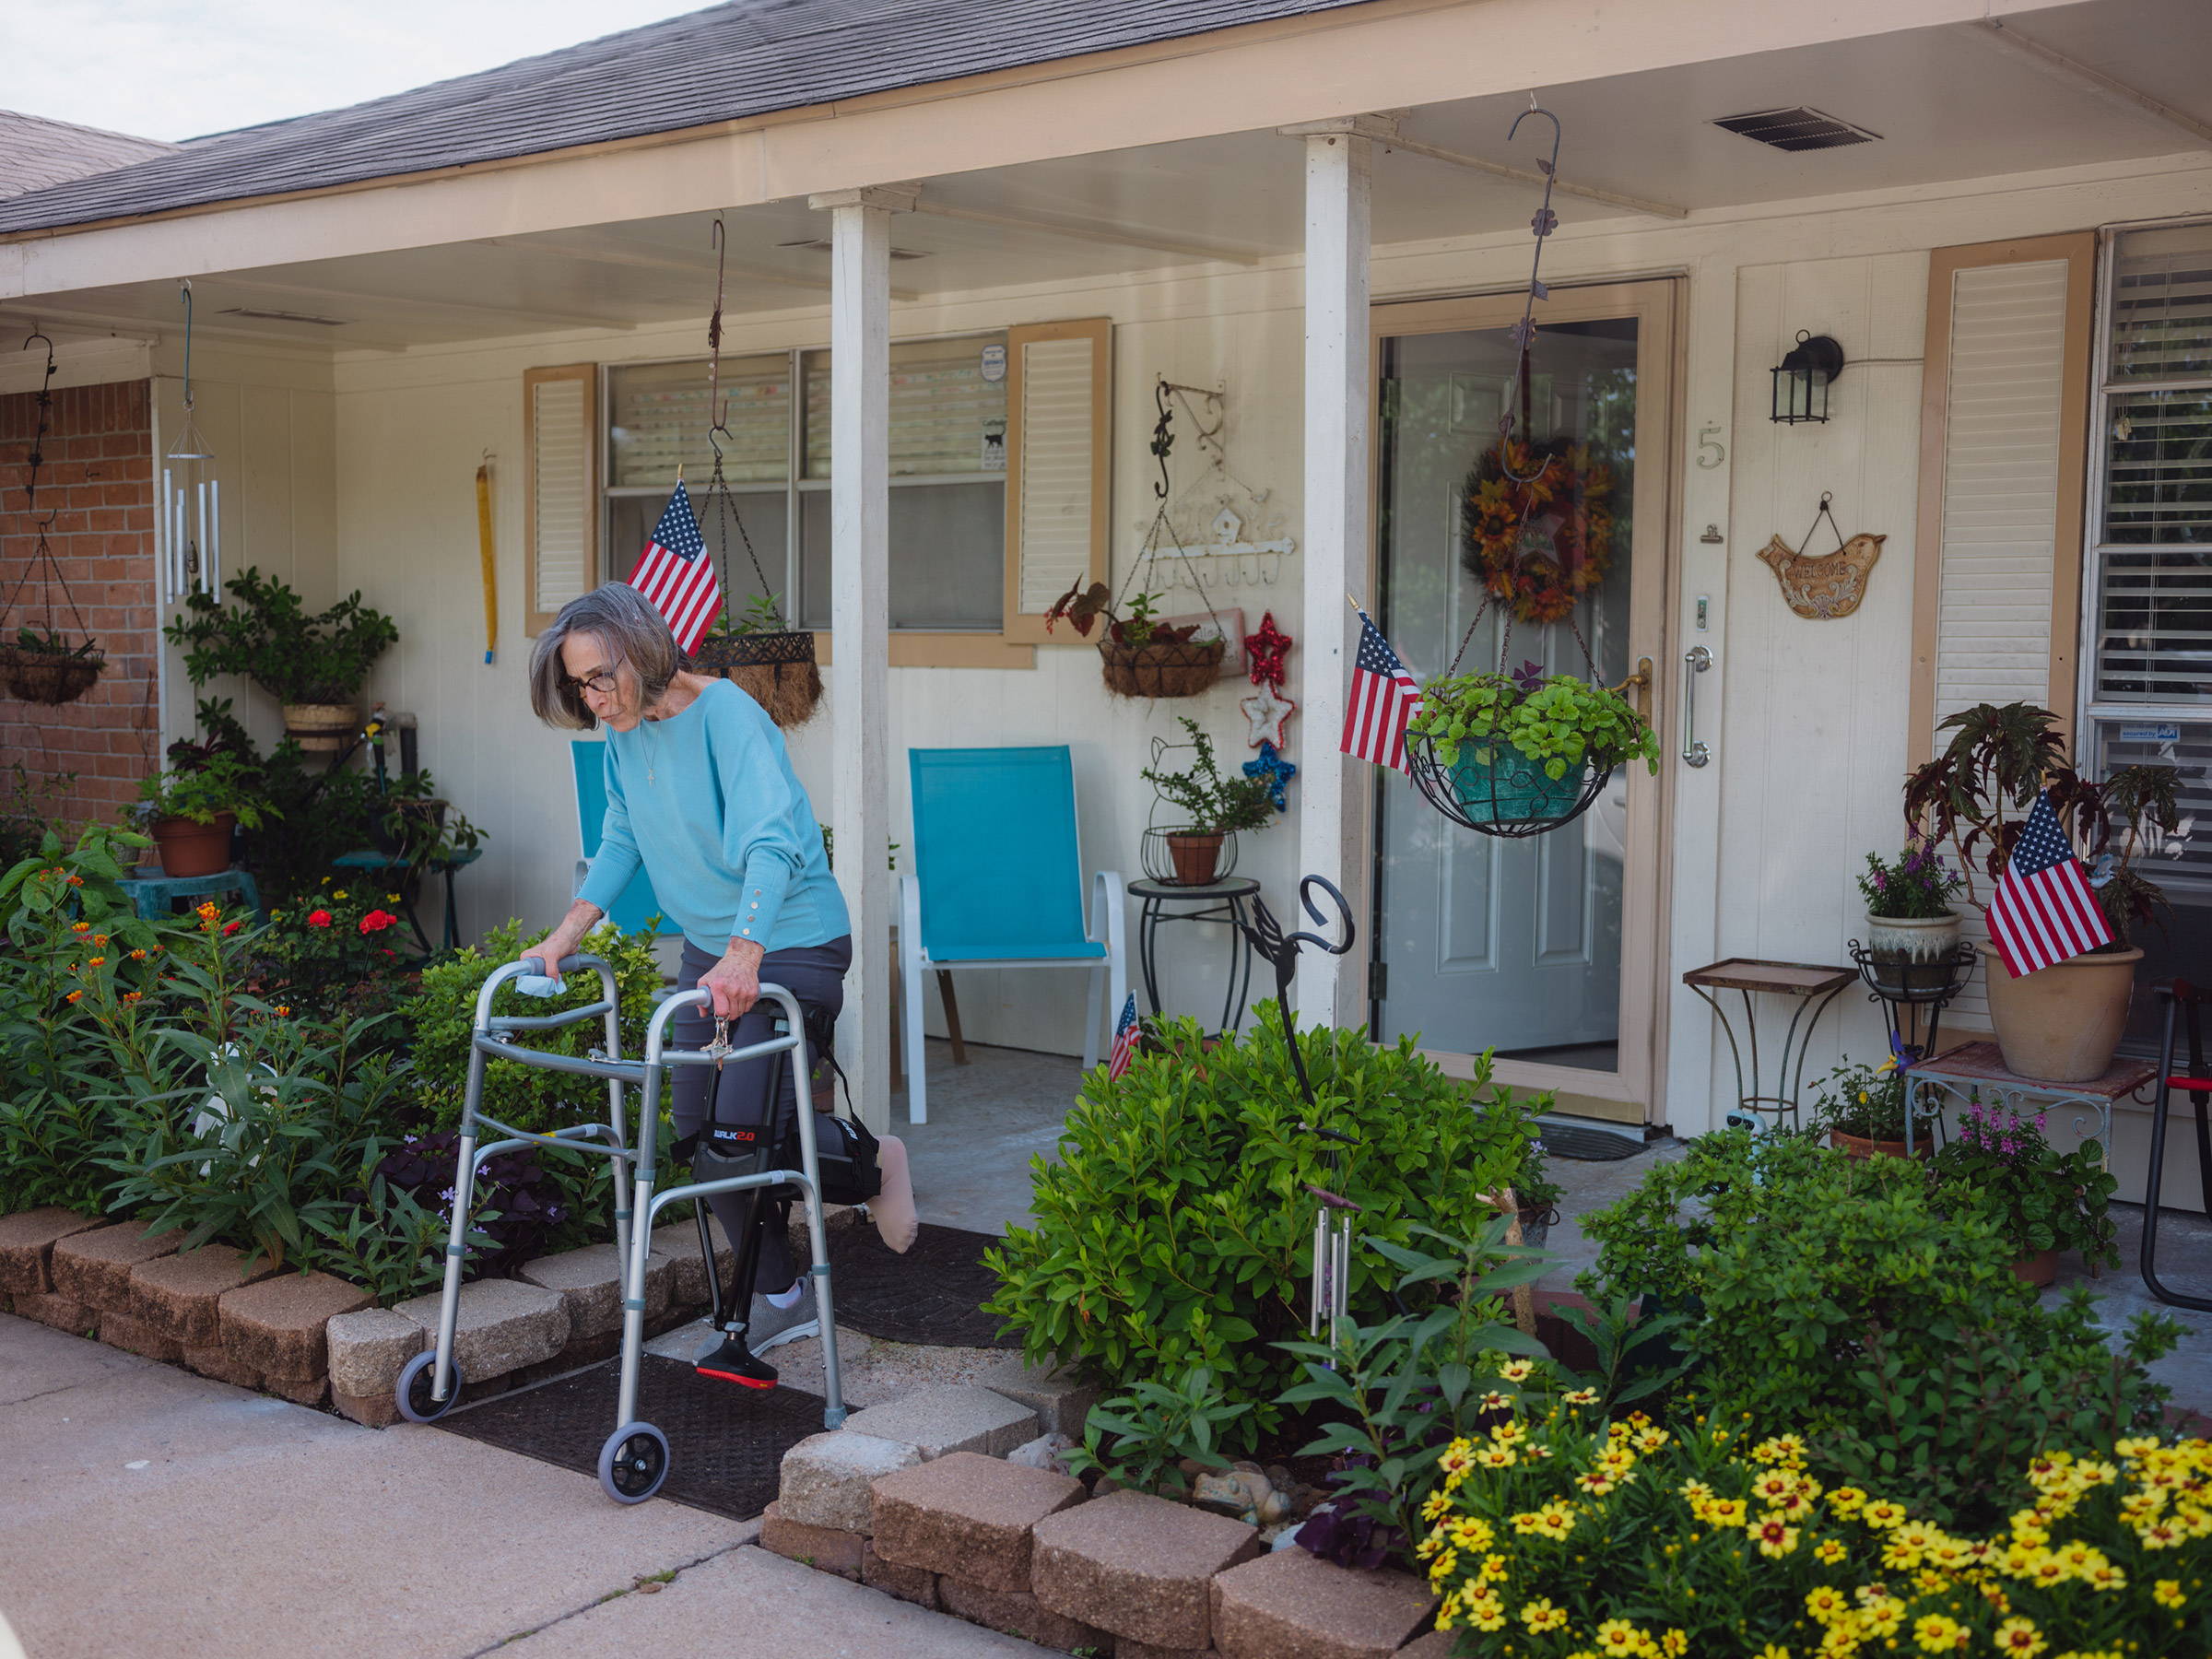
1154, 1428
1557, 722
444, 1014
1177, 1231
2040, 1198
268, 635
1838, 1300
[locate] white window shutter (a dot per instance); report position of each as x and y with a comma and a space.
2000, 529
1056, 468
561, 548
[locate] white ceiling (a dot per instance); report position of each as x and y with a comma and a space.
1948, 104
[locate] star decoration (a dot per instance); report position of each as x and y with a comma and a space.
1268, 710
1276, 770
1265, 648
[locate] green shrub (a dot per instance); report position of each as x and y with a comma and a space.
444, 1014
1155, 1430
1177, 1231
1838, 1300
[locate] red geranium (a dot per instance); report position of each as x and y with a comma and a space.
376, 920
318, 918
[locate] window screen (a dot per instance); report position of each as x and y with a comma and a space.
945, 417
657, 420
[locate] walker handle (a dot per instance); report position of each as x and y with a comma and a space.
569, 964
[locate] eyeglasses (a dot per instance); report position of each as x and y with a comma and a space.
603, 683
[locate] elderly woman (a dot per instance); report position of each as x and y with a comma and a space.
700, 794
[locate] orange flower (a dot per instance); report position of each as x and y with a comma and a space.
80, 927
97, 963
73, 996
100, 939
130, 996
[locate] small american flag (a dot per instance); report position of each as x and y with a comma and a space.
1384, 699
1124, 1040
675, 574
2043, 911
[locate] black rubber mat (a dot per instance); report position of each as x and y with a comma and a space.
1586, 1146
725, 1443
933, 1294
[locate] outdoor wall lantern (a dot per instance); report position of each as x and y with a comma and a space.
1801, 382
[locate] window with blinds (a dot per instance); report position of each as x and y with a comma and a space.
945, 416
561, 547
658, 419
2154, 555
1057, 469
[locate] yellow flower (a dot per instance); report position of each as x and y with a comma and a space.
1581, 1396
2160, 1534
1541, 1615
1828, 1551
2020, 1636
1781, 1449
1497, 1457
1444, 1566
389, 898
2168, 1592
2104, 1576
1472, 1533
1774, 1535
1509, 1434
1937, 1634
1484, 1609
1618, 1636
1881, 1514
1847, 1500
208, 910
1457, 1458
1516, 1371
1726, 1512
1674, 1644
1494, 1401
1493, 1571
1773, 1649
1433, 1508
1826, 1604
339, 894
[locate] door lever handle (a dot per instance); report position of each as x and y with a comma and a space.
1641, 680
1695, 661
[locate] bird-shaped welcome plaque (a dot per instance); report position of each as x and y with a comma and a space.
1826, 585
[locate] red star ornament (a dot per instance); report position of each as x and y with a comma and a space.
1265, 648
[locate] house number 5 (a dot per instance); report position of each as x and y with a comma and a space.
1704, 443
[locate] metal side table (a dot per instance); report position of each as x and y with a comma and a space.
1978, 1069
1812, 987
1223, 901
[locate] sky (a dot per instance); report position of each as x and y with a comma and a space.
179, 68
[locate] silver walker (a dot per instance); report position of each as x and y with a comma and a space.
634, 1461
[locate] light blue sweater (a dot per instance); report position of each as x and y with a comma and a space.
706, 800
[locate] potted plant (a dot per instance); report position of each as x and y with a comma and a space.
413, 826
2041, 1200
190, 813
1862, 1108
1213, 807
1912, 932
313, 665
44, 667
1141, 656
1521, 748
773, 664
2062, 1022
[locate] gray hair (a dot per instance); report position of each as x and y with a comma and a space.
644, 652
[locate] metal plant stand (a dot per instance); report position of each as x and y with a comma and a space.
1814, 987
1220, 900
1977, 1070
1912, 992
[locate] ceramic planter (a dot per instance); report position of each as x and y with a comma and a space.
1197, 857
323, 728
2062, 1023
1912, 953
187, 847
2039, 1269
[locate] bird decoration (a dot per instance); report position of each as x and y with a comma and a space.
1826, 585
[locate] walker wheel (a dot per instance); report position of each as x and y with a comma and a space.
633, 1463
414, 1390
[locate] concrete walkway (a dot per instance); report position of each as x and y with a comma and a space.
143, 1510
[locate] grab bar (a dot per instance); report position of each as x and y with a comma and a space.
1695, 661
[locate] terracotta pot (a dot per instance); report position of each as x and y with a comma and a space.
189, 848
1195, 857
1860, 1148
2062, 1023
323, 727
2039, 1269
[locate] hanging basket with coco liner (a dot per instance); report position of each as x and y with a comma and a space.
1140, 656
39, 666
773, 664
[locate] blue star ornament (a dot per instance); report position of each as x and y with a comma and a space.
1276, 770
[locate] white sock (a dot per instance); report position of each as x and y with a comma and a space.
789, 1299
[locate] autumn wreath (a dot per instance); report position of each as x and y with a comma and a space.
1537, 546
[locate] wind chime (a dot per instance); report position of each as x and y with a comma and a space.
44, 668
191, 503
1490, 787
773, 661
1330, 1281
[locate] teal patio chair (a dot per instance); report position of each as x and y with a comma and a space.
998, 883
637, 906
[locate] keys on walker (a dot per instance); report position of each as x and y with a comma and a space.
719, 1048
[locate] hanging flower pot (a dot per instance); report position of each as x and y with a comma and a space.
1161, 667
775, 668
45, 670
1514, 756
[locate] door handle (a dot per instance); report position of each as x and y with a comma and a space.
1695, 661
1642, 681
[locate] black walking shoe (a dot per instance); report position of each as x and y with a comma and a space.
730, 1360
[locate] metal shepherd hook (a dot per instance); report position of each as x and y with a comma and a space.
1523, 333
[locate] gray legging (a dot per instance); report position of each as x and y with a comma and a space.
816, 975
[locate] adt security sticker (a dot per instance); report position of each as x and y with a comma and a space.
995, 363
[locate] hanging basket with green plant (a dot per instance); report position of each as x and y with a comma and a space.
1516, 755
44, 667
313, 665
771, 664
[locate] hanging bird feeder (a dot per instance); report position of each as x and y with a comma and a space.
42, 666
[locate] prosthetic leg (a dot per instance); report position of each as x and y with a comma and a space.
740, 1137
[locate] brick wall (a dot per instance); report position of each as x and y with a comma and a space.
99, 472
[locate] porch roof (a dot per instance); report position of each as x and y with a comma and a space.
728, 63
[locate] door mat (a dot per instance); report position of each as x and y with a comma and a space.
725, 1443
933, 1294
1585, 1146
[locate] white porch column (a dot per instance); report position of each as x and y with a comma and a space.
1339, 380
860, 335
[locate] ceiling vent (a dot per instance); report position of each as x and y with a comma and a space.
1797, 128
822, 244
283, 316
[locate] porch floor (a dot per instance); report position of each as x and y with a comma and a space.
970, 1161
